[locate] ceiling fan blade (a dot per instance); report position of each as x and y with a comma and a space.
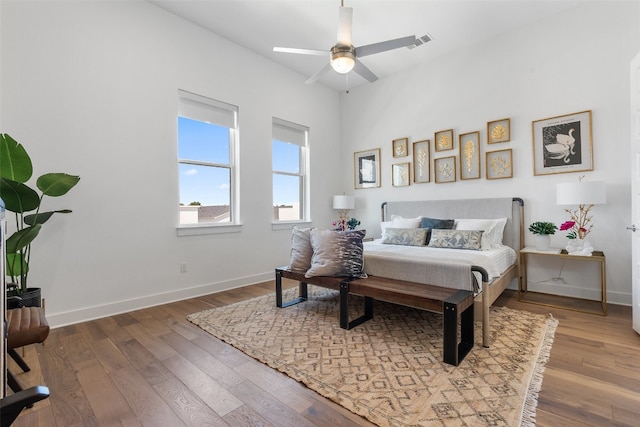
301, 51
370, 49
361, 69
319, 74
345, 15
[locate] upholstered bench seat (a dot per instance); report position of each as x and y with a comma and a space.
26, 325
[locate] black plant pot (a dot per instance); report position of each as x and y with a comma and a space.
30, 298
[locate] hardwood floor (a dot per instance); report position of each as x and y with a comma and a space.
153, 368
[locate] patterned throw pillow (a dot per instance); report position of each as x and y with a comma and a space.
336, 253
456, 239
493, 230
301, 250
433, 223
405, 236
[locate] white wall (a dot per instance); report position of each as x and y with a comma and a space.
90, 88
564, 64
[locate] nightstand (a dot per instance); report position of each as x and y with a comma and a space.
561, 301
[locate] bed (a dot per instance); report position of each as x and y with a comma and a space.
487, 272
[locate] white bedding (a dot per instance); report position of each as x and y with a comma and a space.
378, 258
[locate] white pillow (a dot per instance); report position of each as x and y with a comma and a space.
400, 222
493, 230
383, 227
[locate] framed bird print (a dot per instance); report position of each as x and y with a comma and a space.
562, 144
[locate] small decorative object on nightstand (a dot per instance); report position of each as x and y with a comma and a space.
542, 232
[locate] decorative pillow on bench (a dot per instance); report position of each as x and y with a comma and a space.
301, 250
456, 239
336, 253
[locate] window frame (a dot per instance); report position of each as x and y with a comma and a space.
222, 114
299, 135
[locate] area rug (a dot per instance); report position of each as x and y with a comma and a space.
389, 369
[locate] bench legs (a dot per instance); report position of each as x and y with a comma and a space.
454, 351
302, 292
458, 305
344, 308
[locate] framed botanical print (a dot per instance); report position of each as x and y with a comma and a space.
562, 144
400, 174
499, 164
422, 161
366, 167
499, 131
444, 169
443, 140
400, 147
469, 155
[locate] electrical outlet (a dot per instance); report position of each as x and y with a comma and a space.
183, 267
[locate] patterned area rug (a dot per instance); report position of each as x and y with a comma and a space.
389, 369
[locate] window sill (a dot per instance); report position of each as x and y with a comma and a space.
200, 229
289, 225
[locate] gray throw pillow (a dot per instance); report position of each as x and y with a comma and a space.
301, 250
433, 223
456, 239
336, 253
405, 236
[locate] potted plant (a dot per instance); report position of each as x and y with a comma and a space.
15, 170
542, 231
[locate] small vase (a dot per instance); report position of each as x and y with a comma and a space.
543, 242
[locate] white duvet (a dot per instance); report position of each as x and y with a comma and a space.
436, 266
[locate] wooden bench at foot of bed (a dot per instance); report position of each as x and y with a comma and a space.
452, 303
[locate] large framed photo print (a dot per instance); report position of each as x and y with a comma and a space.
562, 144
366, 165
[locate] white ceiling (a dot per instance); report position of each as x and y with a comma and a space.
259, 25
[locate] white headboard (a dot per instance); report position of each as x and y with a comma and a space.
510, 208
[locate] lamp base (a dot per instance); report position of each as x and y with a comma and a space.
579, 247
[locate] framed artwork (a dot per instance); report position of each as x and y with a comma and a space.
443, 140
421, 161
469, 155
366, 167
400, 173
444, 169
400, 147
499, 131
499, 164
562, 144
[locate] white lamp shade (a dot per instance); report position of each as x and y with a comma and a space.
581, 193
344, 202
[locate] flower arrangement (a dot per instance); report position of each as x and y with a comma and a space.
541, 227
579, 225
346, 224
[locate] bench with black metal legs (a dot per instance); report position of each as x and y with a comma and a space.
454, 304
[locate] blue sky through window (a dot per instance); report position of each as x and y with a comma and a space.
205, 142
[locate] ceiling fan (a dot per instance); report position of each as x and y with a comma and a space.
344, 57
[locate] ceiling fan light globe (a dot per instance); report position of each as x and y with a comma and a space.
343, 59
343, 64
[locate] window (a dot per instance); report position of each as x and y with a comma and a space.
290, 165
207, 143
